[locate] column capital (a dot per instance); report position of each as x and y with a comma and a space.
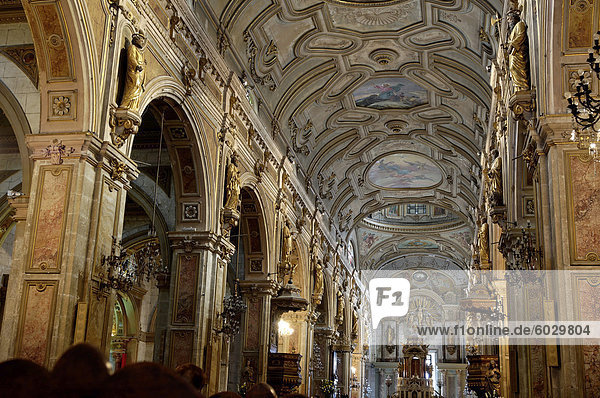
82, 146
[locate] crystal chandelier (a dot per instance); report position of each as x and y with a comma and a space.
585, 108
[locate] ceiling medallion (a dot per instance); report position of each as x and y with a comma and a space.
365, 3
396, 126
383, 56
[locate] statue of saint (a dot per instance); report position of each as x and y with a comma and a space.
135, 76
518, 52
495, 179
340, 308
232, 200
484, 242
286, 251
318, 287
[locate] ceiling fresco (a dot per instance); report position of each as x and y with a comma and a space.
404, 170
348, 85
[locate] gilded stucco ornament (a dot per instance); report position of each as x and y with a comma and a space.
125, 120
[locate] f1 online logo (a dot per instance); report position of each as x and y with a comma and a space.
389, 298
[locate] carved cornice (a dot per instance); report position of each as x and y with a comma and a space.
259, 288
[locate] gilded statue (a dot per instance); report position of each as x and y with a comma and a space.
495, 179
286, 250
339, 317
518, 52
135, 76
318, 273
484, 243
232, 200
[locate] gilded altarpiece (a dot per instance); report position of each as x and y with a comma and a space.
583, 200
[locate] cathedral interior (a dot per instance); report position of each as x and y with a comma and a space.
223, 182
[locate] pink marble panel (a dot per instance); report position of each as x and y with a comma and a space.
589, 307
52, 199
187, 277
36, 325
182, 345
253, 325
585, 200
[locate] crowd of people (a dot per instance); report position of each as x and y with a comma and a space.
82, 372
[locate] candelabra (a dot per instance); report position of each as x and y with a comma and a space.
233, 307
125, 270
584, 107
120, 272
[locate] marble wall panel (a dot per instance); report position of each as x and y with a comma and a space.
589, 310
57, 48
188, 171
580, 22
253, 325
584, 198
187, 285
36, 320
107, 223
182, 345
49, 218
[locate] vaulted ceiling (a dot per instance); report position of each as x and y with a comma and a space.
383, 102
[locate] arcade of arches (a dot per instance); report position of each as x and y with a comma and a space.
211, 181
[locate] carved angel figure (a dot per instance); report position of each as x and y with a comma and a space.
135, 76
318, 287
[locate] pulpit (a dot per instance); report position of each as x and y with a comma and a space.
284, 372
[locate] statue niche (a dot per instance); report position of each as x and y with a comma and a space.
125, 120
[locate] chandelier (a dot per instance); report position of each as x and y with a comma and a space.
126, 269
233, 308
584, 107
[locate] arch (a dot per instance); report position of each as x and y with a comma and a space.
254, 232
18, 121
187, 151
66, 59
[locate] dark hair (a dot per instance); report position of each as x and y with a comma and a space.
147, 380
261, 390
22, 378
192, 374
80, 372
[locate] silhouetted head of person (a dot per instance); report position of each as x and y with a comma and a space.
21, 378
261, 390
226, 394
147, 380
193, 374
80, 372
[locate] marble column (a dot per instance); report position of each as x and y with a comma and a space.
57, 293
197, 289
258, 294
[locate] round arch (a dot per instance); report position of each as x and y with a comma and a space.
18, 121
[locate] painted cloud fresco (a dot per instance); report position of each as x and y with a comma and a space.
390, 93
404, 170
